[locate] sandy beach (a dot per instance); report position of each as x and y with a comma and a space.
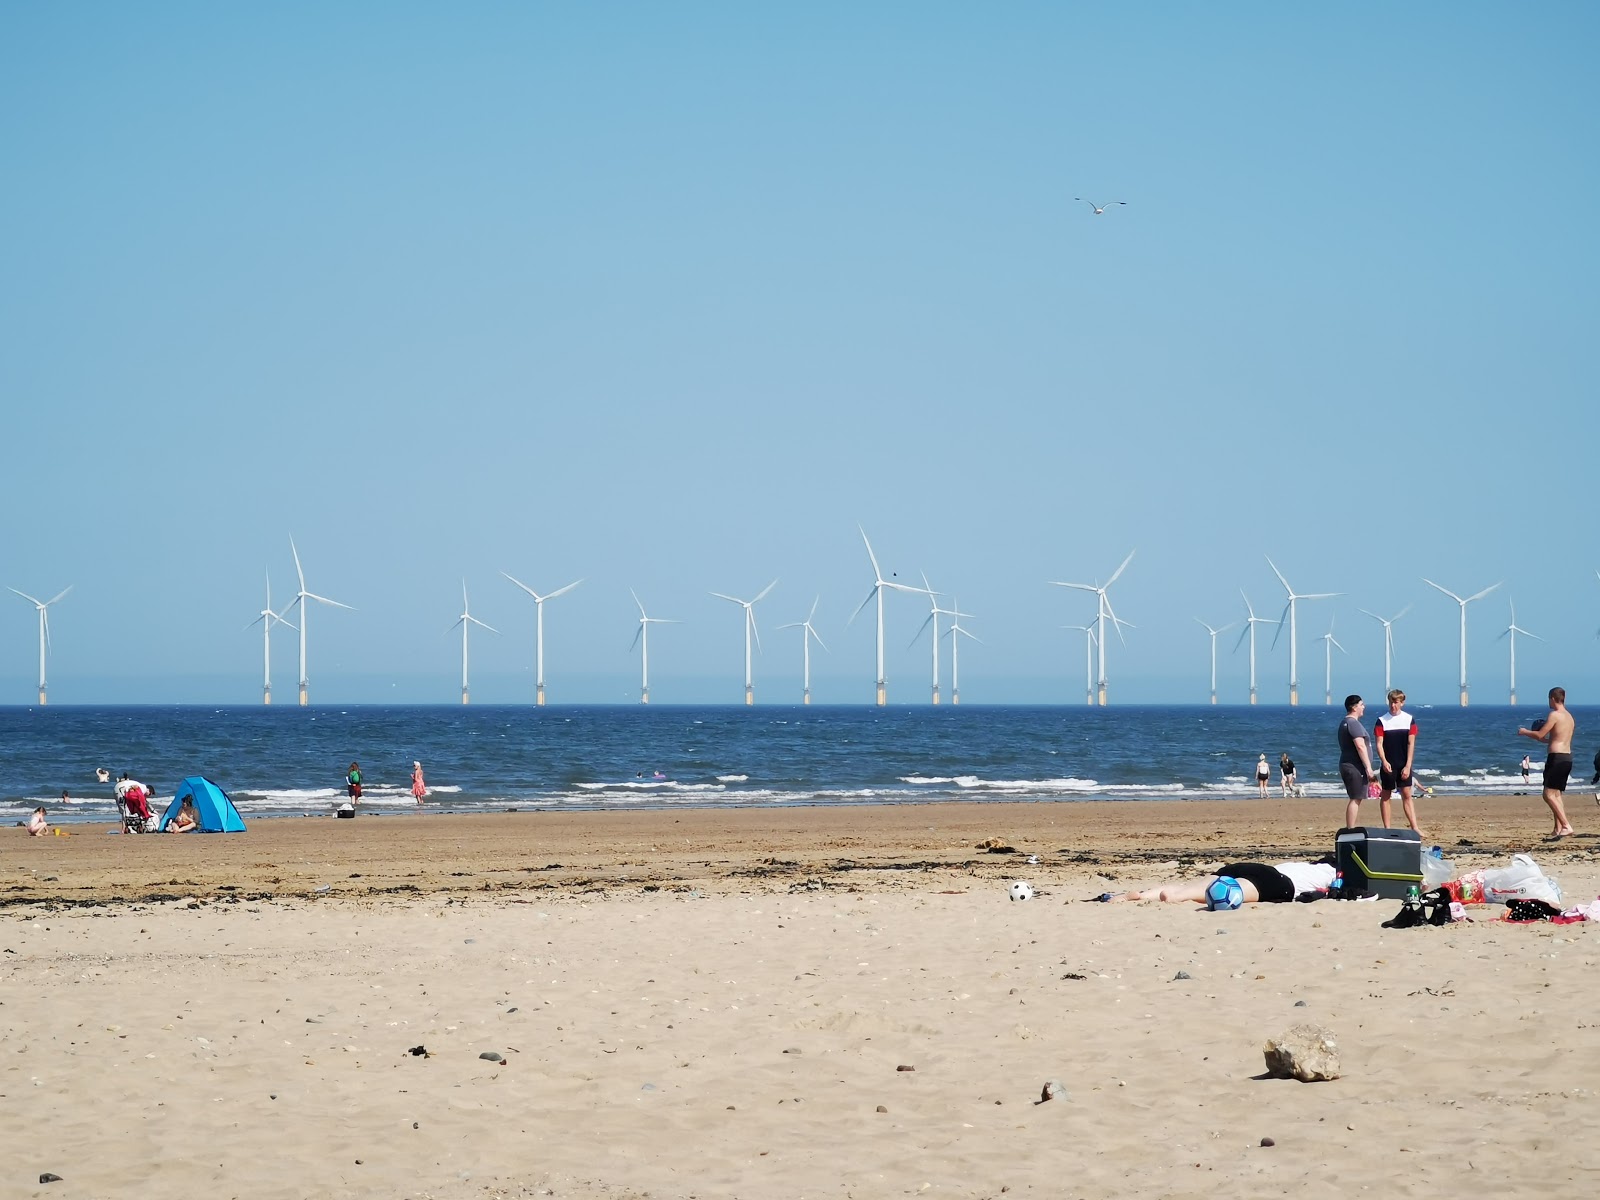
798, 1003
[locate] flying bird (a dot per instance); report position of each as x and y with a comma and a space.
1099, 208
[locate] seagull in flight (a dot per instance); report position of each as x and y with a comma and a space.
1099, 208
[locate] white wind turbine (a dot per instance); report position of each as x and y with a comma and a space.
1105, 611
642, 639
1388, 639
933, 619
955, 633
300, 599
44, 630
1511, 632
1329, 642
1463, 604
878, 584
805, 642
1213, 633
267, 619
750, 631
466, 620
1250, 623
538, 606
1294, 648
1089, 640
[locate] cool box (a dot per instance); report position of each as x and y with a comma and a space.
1385, 861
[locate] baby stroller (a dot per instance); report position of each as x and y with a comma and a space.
135, 810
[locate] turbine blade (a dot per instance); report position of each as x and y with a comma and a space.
1400, 614
864, 603
1445, 590
562, 591
1122, 568
762, 594
70, 586
1279, 574
720, 596
877, 572
523, 586
1469, 600
325, 600
25, 596
926, 621
1281, 617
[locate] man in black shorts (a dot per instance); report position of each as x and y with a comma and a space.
1355, 759
1556, 731
1259, 882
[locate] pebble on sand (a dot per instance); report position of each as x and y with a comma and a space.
491, 1056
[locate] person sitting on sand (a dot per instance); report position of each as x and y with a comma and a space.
1260, 883
187, 820
37, 825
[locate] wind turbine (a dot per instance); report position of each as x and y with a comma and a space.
1250, 623
933, 619
1388, 639
300, 599
44, 630
1511, 631
878, 584
267, 619
955, 645
1329, 642
1104, 611
750, 631
1088, 660
538, 606
805, 641
1289, 608
1213, 633
1463, 604
642, 639
466, 620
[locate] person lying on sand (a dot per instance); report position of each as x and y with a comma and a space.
1260, 883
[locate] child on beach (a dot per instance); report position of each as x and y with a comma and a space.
37, 825
419, 789
352, 782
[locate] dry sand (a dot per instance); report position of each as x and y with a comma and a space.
726, 1004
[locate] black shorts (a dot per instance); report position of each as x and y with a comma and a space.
1391, 781
1273, 885
1557, 770
1355, 780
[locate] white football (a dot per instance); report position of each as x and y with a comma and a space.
1021, 890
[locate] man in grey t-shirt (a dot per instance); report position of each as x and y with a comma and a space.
1355, 758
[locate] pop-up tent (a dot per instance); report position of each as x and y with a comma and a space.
217, 813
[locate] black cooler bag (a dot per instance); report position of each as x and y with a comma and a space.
1385, 861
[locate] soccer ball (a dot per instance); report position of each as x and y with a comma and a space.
1021, 890
1224, 893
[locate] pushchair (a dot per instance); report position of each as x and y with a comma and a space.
135, 810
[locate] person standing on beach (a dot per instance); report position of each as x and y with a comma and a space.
1286, 774
1527, 767
1556, 731
352, 783
1263, 774
1395, 734
1355, 760
419, 789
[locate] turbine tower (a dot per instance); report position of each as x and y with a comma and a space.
466, 620
878, 584
538, 606
1388, 639
1250, 623
805, 641
1289, 609
1088, 661
1463, 604
750, 631
955, 633
932, 619
300, 599
1213, 633
641, 638
1511, 632
267, 619
44, 631
1329, 642
1104, 611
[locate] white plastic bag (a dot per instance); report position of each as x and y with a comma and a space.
1522, 880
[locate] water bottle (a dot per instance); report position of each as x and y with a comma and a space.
1336, 888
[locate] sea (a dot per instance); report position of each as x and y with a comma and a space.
288, 762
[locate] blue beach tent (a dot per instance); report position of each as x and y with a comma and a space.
217, 813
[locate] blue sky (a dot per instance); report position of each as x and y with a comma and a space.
672, 297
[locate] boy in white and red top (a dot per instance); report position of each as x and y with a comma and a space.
1396, 736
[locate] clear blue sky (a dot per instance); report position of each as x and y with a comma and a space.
671, 297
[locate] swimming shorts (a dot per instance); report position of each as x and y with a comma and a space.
1355, 780
1391, 780
1557, 770
1273, 885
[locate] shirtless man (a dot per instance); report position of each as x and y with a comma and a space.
1555, 731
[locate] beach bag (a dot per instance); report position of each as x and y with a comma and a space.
1374, 792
